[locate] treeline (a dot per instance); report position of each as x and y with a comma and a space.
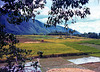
57, 33
69, 32
90, 35
87, 35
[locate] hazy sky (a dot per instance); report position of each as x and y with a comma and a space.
89, 24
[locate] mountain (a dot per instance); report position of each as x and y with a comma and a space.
28, 28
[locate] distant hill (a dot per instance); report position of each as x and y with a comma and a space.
28, 28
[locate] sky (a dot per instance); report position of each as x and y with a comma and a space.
89, 24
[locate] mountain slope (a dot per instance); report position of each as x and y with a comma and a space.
27, 28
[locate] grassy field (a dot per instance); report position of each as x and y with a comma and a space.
48, 48
35, 37
57, 45
94, 41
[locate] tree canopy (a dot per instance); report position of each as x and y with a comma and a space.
17, 11
23, 10
61, 10
65, 10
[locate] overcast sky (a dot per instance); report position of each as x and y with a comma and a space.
90, 24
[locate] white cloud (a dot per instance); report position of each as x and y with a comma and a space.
86, 27
92, 22
89, 24
45, 11
43, 20
95, 12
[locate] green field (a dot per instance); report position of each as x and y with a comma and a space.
54, 45
48, 48
95, 41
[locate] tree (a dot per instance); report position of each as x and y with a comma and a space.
12, 53
71, 32
22, 10
92, 35
17, 12
65, 10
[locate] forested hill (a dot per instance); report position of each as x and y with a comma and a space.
27, 28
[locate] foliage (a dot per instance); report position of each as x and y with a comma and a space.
90, 35
17, 11
65, 10
21, 10
40, 54
12, 53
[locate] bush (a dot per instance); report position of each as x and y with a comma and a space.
40, 53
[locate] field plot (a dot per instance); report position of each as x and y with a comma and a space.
94, 41
53, 45
62, 62
56, 45
48, 48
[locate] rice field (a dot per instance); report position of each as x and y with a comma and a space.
55, 45
94, 41
48, 48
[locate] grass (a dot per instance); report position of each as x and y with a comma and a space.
95, 41
36, 37
83, 48
96, 54
48, 48
59, 46
64, 40
55, 45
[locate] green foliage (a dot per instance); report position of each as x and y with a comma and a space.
65, 10
91, 35
19, 11
12, 53
40, 53
13, 9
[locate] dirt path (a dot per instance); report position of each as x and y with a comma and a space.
92, 66
25, 40
60, 62
69, 70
